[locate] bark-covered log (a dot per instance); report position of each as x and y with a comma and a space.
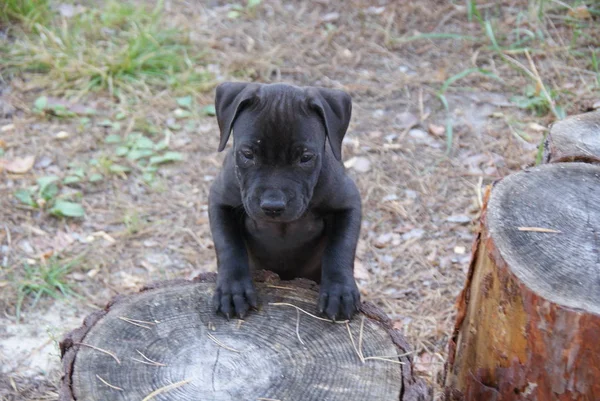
529, 316
166, 343
576, 138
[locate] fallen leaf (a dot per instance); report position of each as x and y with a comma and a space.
20, 165
437, 130
580, 12
7, 127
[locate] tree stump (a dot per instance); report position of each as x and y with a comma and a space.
576, 138
166, 343
529, 315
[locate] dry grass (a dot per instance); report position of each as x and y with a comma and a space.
483, 72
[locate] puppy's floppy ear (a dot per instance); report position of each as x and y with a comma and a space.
230, 99
335, 108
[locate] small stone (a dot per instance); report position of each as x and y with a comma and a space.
415, 233
417, 133
411, 194
62, 135
382, 240
378, 113
361, 165
389, 198
78, 276
537, 127
43, 162
406, 120
329, 17
459, 218
460, 250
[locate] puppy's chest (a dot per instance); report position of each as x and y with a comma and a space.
301, 231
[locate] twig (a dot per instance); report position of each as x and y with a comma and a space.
298, 327
541, 84
363, 358
101, 350
165, 389
538, 230
307, 313
360, 338
478, 191
280, 287
378, 358
108, 384
353, 344
220, 344
131, 321
147, 361
266, 399
194, 236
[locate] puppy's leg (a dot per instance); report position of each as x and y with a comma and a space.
235, 292
339, 295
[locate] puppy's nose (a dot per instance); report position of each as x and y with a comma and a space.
272, 207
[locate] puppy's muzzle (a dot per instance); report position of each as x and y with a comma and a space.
273, 203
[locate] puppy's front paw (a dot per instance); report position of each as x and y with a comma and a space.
339, 299
234, 297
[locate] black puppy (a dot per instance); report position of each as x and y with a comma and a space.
282, 200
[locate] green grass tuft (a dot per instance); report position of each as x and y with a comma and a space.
119, 48
27, 12
44, 280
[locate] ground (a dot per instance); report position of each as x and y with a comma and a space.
114, 104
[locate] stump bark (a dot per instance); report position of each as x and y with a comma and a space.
166, 343
576, 138
529, 315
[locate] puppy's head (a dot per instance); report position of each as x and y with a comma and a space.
279, 142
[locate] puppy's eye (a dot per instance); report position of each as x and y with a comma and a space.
248, 154
306, 157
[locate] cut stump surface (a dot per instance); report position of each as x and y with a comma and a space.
574, 139
529, 316
166, 343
